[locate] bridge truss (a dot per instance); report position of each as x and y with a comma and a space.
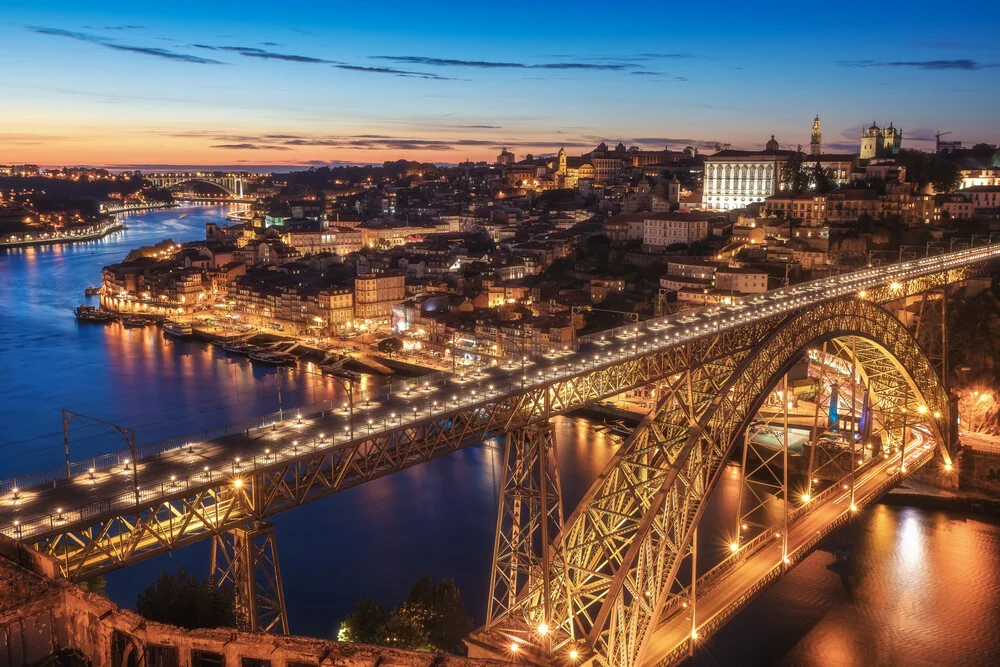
624, 546
612, 569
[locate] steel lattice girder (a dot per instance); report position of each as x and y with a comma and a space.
116, 532
626, 540
247, 560
529, 516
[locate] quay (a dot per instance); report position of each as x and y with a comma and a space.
96, 232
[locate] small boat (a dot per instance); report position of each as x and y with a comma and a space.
92, 291
273, 358
177, 329
237, 347
353, 376
92, 314
134, 321
182, 216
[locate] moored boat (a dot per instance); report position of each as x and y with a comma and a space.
177, 329
273, 358
238, 347
92, 314
134, 321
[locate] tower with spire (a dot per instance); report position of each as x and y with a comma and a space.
816, 142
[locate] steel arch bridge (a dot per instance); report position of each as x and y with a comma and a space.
607, 585
613, 570
233, 184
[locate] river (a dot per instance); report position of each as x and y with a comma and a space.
917, 587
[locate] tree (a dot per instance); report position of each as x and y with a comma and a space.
95, 584
433, 618
794, 175
365, 625
390, 346
822, 183
407, 628
945, 175
443, 611
187, 601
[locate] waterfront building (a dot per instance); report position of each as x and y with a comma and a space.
376, 293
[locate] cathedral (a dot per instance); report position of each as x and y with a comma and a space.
877, 142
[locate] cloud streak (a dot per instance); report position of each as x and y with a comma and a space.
959, 64
109, 44
252, 52
286, 142
493, 64
391, 70
251, 147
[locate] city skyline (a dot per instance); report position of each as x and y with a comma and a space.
227, 85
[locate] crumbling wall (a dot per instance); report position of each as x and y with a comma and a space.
40, 615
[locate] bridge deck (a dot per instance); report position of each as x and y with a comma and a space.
724, 596
58, 505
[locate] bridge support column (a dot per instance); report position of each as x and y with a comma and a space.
528, 583
247, 559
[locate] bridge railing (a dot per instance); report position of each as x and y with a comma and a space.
438, 380
416, 386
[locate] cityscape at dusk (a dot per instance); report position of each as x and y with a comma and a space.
463, 335
256, 84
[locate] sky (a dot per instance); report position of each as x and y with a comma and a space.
307, 82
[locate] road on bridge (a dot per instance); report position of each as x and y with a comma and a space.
56, 506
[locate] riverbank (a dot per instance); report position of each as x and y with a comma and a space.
140, 207
913, 493
60, 239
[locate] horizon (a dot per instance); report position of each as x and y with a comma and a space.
195, 84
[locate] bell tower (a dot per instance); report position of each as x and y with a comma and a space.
816, 142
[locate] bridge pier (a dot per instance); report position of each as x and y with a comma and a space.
528, 587
247, 559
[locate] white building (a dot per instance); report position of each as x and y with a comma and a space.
741, 280
660, 230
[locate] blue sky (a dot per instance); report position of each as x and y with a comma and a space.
308, 82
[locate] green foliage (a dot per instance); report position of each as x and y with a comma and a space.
925, 169
822, 182
365, 624
794, 175
390, 346
433, 618
440, 605
407, 628
945, 175
95, 584
187, 601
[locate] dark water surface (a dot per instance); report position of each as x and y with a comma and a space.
917, 587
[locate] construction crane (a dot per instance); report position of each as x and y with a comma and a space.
937, 142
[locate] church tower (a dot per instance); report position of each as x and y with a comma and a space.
562, 161
816, 142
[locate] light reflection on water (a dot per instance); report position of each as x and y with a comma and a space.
921, 588
918, 587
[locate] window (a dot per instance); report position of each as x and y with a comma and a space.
207, 659
254, 662
161, 656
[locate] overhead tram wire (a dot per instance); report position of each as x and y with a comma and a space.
209, 406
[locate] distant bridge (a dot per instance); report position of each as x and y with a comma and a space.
605, 586
233, 184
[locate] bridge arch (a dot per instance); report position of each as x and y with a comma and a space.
219, 184
625, 543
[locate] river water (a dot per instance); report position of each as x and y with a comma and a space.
907, 586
